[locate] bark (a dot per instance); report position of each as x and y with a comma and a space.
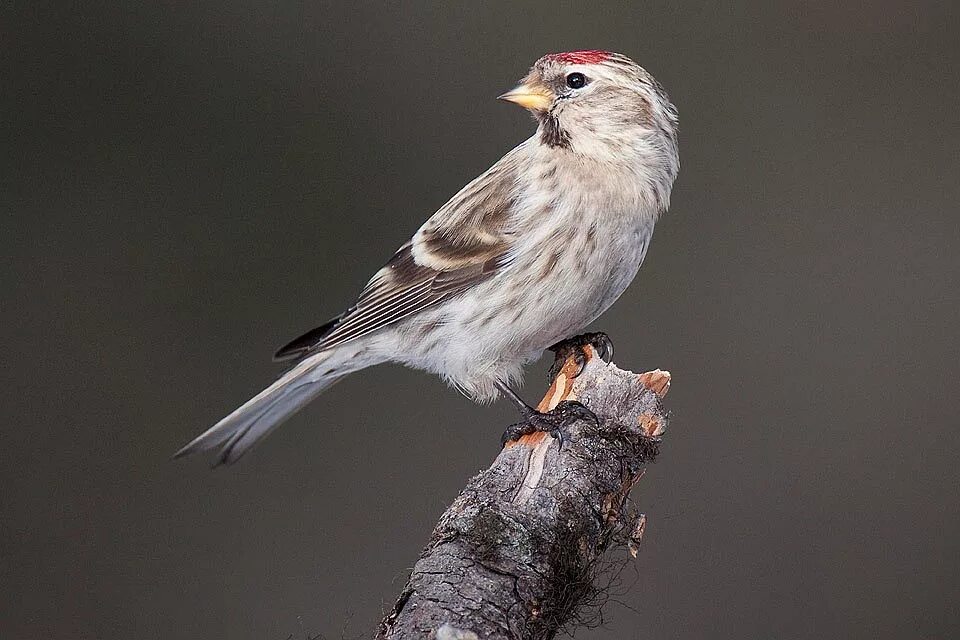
518, 552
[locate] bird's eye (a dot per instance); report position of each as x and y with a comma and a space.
576, 80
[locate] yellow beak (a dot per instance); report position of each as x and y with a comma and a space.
533, 96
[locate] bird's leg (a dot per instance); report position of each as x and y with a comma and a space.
600, 342
551, 422
525, 410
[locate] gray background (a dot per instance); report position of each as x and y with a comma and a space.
185, 187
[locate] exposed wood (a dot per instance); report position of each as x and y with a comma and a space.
517, 553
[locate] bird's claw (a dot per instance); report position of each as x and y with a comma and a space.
554, 422
600, 342
603, 345
516, 431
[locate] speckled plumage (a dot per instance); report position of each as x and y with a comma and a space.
525, 255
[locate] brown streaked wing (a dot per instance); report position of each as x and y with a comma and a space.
401, 289
461, 245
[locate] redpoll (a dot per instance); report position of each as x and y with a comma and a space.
526, 255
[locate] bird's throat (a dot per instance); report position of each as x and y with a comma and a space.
552, 134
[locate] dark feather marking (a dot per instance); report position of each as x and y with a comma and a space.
462, 249
302, 344
487, 319
552, 134
550, 264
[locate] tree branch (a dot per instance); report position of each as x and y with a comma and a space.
517, 553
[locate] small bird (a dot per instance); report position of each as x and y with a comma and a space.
526, 255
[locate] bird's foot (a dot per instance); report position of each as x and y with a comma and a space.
600, 342
553, 422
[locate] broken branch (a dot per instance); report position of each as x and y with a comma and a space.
516, 555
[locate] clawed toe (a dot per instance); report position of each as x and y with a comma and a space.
554, 422
516, 431
600, 342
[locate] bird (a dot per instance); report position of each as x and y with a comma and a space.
526, 255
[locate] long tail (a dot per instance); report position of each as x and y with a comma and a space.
263, 413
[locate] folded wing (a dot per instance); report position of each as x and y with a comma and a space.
465, 243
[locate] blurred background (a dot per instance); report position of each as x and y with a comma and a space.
186, 186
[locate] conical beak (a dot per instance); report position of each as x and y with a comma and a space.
530, 95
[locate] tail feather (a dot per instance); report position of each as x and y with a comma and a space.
260, 415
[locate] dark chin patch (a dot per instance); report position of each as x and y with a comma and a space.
552, 134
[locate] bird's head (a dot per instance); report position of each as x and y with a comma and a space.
599, 104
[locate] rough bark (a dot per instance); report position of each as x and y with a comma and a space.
517, 553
